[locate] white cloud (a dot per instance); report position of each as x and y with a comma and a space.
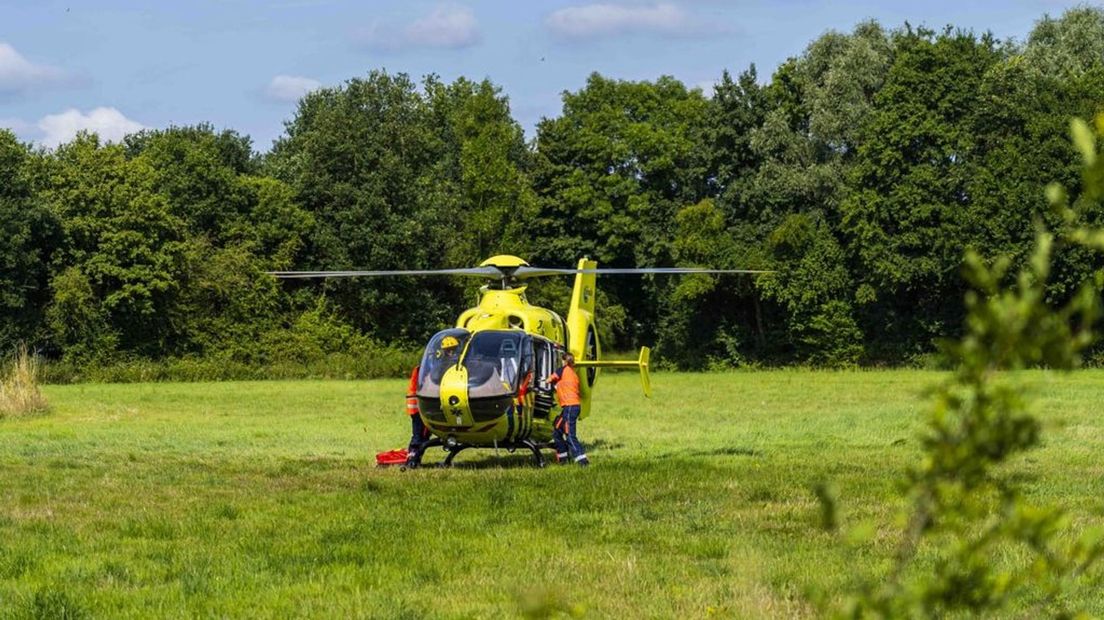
108, 123
18, 74
290, 87
448, 26
599, 20
18, 126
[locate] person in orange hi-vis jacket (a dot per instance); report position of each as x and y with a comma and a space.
419, 434
567, 392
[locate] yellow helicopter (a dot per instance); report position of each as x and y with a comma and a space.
485, 382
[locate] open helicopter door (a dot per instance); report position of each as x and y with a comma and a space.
546, 358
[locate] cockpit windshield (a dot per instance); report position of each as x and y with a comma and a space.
496, 360
443, 351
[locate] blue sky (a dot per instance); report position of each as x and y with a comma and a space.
119, 66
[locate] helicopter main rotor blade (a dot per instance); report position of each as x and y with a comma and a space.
536, 272
511, 273
479, 272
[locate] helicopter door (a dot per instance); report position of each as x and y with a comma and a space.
546, 357
525, 364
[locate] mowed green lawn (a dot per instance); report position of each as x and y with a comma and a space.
263, 499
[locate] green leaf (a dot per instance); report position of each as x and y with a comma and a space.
1084, 140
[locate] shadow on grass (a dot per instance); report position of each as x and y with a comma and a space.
484, 458
602, 444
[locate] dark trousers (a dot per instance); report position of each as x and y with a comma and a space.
419, 437
564, 434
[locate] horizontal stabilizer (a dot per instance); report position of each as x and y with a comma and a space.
642, 363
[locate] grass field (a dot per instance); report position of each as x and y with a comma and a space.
262, 499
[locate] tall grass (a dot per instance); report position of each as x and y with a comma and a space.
19, 392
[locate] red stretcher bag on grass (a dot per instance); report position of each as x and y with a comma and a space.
391, 457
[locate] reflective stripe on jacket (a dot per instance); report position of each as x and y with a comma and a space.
412, 393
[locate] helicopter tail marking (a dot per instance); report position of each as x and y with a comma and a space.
580, 315
585, 291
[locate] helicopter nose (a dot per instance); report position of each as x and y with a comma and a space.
454, 396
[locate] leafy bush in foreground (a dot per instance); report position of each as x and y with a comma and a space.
961, 509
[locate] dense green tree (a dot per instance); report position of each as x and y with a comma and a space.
614, 169
711, 320
123, 249
840, 74
359, 158
227, 305
908, 213
736, 108
818, 105
485, 160
397, 179
1069, 45
237, 225
1026, 108
787, 146
1019, 149
612, 172
276, 230
858, 173
79, 324
28, 236
692, 332
812, 287
197, 171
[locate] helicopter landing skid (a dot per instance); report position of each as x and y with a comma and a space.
535, 448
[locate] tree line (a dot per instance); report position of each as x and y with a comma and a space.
859, 173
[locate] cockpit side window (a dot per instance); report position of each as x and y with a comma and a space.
495, 362
443, 351
525, 370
